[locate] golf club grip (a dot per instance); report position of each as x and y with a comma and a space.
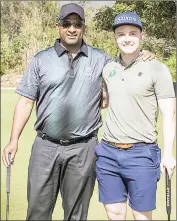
8, 175
168, 192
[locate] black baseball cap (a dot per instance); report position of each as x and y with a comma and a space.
70, 8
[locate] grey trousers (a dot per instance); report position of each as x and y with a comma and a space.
68, 169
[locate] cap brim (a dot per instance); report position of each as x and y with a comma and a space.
72, 12
118, 25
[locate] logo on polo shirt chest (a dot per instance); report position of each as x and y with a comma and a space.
112, 73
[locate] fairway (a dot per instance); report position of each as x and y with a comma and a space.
18, 198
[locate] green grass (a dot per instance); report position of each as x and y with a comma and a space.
18, 202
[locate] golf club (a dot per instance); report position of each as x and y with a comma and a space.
8, 186
168, 194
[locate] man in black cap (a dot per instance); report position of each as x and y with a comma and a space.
65, 81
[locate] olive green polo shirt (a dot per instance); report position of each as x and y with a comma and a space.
134, 92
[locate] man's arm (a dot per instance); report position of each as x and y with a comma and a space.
104, 96
22, 113
104, 99
168, 111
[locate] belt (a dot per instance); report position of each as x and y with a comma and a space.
65, 142
120, 145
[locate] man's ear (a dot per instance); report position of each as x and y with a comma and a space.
115, 39
85, 27
143, 35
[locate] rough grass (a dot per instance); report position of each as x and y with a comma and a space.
18, 202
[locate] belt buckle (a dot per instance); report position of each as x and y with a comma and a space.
125, 146
64, 142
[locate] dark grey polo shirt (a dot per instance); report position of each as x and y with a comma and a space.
67, 91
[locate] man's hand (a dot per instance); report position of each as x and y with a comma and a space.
22, 113
147, 55
169, 163
12, 148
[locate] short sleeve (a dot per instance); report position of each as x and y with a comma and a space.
163, 83
106, 70
29, 83
107, 58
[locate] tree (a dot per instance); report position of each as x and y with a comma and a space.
158, 18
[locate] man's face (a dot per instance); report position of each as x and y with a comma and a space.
71, 30
128, 38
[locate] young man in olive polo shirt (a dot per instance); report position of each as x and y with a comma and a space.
128, 157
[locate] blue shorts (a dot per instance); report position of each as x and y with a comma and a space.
128, 173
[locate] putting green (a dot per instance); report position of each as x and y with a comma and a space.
18, 202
